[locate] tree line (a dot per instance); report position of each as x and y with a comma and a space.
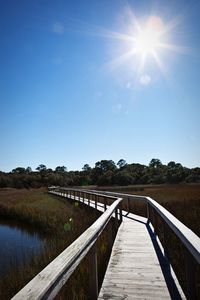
105, 172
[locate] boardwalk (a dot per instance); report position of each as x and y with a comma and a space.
139, 267
134, 271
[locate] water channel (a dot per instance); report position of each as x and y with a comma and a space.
18, 243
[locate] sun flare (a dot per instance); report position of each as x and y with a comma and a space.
147, 41
148, 38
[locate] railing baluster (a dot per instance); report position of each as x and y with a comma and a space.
120, 212
190, 276
116, 219
166, 240
155, 222
148, 212
96, 201
111, 234
105, 203
129, 205
93, 274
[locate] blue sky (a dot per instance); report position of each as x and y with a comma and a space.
65, 102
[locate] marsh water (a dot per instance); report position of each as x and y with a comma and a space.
18, 244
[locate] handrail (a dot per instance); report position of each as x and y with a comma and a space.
49, 281
114, 194
185, 235
92, 192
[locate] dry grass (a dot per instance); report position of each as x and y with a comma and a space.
48, 215
182, 200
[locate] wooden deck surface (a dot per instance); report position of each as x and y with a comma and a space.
137, 268
134, 270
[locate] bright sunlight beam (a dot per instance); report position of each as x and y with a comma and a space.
147, 41
148, 38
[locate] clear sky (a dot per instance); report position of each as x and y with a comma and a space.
71, 94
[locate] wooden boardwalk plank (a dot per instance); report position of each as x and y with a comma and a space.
134, 270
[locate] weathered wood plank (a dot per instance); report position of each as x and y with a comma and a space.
134, 271
143, 280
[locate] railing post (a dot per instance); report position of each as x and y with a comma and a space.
79, 196
96, 201
153, 216
155, 222
110, 234
148, 212
128, 204
116, 219
93, 273
89, 199
190, 276
83, 197
120, 212
105, 203
166, 240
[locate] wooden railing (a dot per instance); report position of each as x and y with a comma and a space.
50, 280
189, 240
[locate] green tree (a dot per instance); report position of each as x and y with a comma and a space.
175, 172
122, 178
86, 168
19, 170
28, 170
41, 168
121, 163
155, 163
105, 166
60, 169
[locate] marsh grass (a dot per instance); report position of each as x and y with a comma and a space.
49, 215
51, 218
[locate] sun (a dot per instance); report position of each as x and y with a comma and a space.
148, 38
147, 42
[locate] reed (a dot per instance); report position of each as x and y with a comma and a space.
60, 223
